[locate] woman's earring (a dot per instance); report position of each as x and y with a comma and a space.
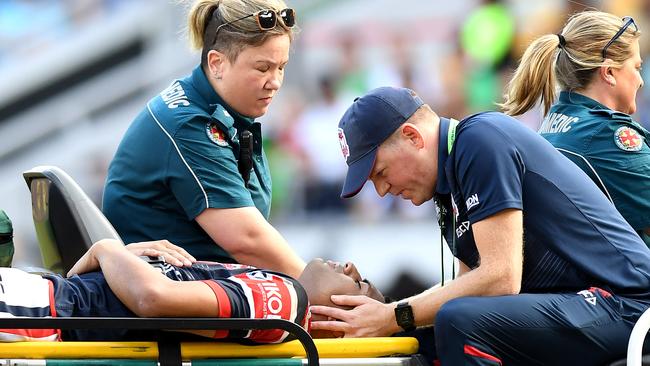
217, 76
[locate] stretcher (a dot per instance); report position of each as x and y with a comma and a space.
171, 352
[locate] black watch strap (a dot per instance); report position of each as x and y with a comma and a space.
404, 316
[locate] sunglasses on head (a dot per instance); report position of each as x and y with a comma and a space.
627, 22
266, 19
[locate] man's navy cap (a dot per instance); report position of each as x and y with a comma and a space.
369, 121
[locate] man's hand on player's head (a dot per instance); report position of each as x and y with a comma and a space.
367, 318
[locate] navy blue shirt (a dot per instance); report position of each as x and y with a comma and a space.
573, 236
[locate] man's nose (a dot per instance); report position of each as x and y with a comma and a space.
381, 188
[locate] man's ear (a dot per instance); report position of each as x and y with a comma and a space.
606, 74
413, 134
216, 61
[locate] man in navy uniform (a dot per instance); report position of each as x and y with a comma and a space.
569, 295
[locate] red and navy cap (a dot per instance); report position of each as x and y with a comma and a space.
369, 121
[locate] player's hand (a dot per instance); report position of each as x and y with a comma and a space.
173, 254
368, 318
88, 262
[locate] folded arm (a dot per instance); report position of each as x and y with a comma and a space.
142, 288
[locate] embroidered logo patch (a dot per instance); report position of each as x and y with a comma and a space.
216, 135
628, 139
344, 144
472, 201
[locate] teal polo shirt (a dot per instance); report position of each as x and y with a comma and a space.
179, 157
609, 146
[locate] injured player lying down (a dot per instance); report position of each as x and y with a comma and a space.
112, 280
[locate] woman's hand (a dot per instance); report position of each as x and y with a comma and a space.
173, 254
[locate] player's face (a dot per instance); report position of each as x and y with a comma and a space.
628, 81
400, 171
249, 83
321, 279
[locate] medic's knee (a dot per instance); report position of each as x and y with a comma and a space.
457, 315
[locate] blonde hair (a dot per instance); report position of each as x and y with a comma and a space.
572, 65
206, 16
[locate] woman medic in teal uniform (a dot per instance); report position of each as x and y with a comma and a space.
595, 61
191, 168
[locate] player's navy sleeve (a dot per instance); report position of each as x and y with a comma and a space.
489, 172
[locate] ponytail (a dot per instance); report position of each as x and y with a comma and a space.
534, 77
198, 20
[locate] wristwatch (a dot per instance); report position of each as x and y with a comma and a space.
404, 316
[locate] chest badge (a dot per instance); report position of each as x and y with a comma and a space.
628, 139
215, 134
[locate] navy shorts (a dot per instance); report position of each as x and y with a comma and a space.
591, 327
88, 295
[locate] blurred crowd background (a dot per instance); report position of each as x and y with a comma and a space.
73, 74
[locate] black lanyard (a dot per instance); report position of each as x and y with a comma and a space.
442, 210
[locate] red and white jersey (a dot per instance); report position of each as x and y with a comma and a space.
26, 295
259, 294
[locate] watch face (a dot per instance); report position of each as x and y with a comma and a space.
404, 316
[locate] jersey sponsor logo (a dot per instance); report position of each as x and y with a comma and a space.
273, 300
557, 122
628, 139
268, 296
472, 201
462, 228
259, 276
345, 149
174, 96
215, 134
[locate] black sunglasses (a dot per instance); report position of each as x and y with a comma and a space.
628, 21
266, 19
